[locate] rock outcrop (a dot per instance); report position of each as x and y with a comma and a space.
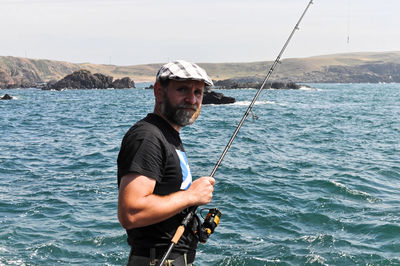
83, 79
6, 97
212, 97
123, 83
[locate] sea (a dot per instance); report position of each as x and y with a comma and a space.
312, 178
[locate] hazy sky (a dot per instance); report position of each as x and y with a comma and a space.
128, 32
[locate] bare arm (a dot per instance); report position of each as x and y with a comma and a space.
138, 206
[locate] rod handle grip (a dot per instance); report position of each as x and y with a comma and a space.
179, 232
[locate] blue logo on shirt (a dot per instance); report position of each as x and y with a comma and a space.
186, 174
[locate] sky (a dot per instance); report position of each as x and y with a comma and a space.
131, 32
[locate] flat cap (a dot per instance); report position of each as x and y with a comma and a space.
183, 70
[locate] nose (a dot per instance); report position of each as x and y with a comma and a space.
191, 98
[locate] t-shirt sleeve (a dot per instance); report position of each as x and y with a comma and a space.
142, 153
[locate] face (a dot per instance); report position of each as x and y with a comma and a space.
181, 101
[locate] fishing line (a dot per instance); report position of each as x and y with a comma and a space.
271, 70
214, 214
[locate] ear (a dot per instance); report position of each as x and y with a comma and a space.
158, 92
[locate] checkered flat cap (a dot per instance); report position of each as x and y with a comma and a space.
183, 70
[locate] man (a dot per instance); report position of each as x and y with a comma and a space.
154, 178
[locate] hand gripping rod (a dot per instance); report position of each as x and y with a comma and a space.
181, 229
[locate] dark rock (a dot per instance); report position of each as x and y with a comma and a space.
103, 81
49, 85
6, 97
83, 79
212, 97
292, 86
282, 85
123, 83
253, 82
238, 83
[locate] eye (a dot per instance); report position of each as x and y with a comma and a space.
181, 89
198, 92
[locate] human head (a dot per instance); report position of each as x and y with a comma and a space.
179, 91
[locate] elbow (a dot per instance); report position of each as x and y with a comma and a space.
127, 221
127, 216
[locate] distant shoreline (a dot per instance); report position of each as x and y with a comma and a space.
368, 67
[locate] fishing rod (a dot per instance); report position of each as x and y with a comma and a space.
213, 217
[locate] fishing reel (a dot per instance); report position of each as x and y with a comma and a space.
210, 223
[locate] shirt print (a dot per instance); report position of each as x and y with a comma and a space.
186, 174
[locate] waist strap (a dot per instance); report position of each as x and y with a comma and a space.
158, 253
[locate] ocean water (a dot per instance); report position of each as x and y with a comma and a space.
313, 177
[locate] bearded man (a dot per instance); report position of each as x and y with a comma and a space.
154, 179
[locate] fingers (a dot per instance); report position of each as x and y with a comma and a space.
212, 180
209, 185
203, 189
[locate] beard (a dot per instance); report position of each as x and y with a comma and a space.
181, 115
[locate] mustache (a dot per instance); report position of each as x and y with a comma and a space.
188, 106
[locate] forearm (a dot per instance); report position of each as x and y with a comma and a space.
138, 206
152, 209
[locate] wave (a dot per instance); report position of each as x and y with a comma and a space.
356, 193
306, 88
246, 103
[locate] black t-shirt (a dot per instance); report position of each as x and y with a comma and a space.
154, 149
